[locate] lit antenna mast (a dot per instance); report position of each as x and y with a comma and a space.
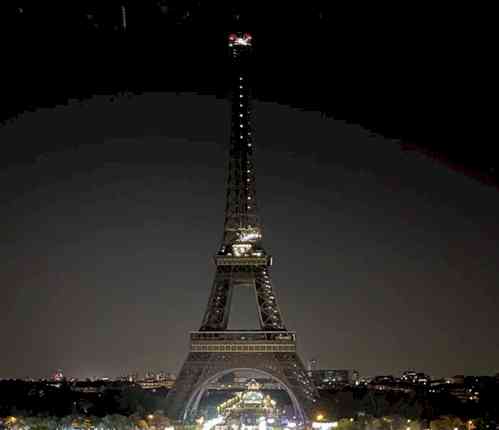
123, 17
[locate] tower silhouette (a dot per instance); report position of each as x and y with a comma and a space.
241, 262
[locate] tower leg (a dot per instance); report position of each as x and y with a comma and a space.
217, 312
270, 314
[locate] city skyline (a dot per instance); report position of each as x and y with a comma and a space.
135, 201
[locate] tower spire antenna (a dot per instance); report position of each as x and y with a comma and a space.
242, 223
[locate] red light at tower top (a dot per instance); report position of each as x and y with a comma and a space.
240, 39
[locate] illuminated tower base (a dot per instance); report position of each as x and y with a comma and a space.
214, 354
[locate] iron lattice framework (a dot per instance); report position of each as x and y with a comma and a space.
241, 262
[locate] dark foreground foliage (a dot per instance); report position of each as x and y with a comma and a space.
99, 399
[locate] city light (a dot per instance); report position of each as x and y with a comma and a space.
208, 425
241, 249
262, 424
244, 40
249, 234
324, 425
11, 420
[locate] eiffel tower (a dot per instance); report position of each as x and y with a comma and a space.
241, 262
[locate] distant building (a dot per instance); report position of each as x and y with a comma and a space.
324, 378
154, 381
87, 387
457, 379
132, 377
464, 394
311, 366
389, 383
415, 378
465, 388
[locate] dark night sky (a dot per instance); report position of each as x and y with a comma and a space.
383, 259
